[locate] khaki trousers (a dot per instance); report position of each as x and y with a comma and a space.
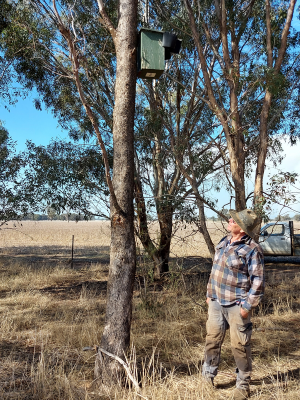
221, 318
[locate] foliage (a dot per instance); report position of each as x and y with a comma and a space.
15, 194
68, 178
281, 189
249, 85
39, 53
10, 87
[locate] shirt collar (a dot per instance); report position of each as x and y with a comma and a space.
243, 239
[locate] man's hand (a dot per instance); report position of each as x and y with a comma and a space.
244, 313
208, 300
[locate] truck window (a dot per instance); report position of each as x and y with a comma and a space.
276, 230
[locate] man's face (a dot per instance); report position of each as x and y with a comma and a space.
233, 227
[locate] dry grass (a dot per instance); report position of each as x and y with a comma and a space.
49, 312
42, 235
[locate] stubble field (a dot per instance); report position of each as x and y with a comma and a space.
51, 311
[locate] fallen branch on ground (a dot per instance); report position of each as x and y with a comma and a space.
123, 363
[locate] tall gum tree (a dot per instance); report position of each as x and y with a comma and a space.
84, 106
116, 334
274, 64
234, 24
172, 131
184, 156
178, 131
52, 36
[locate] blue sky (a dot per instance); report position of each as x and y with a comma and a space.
24, 122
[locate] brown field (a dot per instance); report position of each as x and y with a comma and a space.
31, 235
50, 312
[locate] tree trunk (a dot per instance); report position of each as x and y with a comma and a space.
203, 229
237, 167
160, 255
116, 334
142, 222
165, 218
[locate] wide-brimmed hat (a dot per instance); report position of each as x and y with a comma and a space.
246, 219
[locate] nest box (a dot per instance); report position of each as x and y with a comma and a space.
151, 54
154, 47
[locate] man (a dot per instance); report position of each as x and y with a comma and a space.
235, 286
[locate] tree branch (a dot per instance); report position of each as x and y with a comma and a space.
269, 35
284, 35
75, 66
106, 20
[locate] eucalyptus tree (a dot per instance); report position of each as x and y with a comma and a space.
178, 151
254, 83
171, 121
173, 129
70, 52
10, 91
235, 149
45, 65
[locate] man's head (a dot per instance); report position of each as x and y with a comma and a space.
245, 220
234, 228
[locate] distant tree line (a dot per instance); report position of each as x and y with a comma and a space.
283, 217
57, 217
287, 217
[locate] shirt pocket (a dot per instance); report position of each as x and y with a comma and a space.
237, 262
219, 254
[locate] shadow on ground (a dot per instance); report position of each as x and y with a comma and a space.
53, 255
67, 291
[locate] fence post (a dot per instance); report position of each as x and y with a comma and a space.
72, 251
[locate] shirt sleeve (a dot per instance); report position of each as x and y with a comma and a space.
216, 260
257, 279
209, 292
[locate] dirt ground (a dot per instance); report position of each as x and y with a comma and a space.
50, 312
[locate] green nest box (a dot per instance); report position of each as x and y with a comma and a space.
151, 54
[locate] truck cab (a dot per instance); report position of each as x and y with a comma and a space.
278, 238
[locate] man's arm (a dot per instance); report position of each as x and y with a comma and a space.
256, 274
209, 291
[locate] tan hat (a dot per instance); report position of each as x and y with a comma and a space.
246, 219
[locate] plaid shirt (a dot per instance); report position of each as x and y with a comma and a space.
237, 273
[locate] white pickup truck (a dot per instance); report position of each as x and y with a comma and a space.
279, 239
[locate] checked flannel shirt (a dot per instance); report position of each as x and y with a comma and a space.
237, 273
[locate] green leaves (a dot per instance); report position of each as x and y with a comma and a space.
68, 178
15, 195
